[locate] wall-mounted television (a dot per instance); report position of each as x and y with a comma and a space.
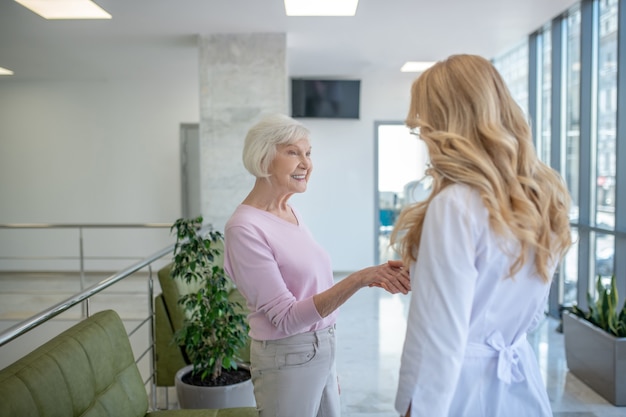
323, 98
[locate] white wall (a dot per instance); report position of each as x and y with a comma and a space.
107, 151
103, 151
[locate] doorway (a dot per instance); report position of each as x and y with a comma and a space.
400, 166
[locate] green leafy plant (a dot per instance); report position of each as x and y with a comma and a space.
213, 330
603, 310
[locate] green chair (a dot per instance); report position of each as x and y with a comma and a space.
89, 371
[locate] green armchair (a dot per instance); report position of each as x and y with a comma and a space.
89, 371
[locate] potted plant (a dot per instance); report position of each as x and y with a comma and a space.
214, 330
595, 343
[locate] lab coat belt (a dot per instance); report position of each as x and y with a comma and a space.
509, 367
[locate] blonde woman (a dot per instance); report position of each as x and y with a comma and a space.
482, 250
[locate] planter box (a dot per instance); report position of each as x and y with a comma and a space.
596, 357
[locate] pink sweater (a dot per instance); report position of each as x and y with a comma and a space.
278, 267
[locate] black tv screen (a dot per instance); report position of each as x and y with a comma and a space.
325, 98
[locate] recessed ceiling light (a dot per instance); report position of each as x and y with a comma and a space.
4, 71
65, 9
414, 66
321, 7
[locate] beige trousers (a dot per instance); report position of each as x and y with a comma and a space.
296, 376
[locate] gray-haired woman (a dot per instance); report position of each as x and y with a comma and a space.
287, 278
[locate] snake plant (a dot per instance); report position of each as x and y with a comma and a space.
602, 310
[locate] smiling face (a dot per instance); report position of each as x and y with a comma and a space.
291, 167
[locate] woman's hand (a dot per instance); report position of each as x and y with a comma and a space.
392, 277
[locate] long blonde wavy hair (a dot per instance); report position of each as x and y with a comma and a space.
477, 135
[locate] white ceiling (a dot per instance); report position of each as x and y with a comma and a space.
150, 36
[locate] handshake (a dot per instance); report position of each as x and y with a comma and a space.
392, 277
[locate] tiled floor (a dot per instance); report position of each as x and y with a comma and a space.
371, 330
370, 334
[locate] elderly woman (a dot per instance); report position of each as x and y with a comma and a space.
287, 278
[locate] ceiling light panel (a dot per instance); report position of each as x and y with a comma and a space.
416, 66
321, 7
65, 9
4, 71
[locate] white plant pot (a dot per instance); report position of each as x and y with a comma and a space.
227, 396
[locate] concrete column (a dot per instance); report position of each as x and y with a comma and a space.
242, 76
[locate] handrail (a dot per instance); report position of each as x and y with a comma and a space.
79, 227
81, 253
83, 225
34, 321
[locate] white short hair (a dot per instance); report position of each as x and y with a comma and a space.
259, 148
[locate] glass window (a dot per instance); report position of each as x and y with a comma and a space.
604, 180
571, 145
513, 66
569, 268
545, 74
572, 105
604, 257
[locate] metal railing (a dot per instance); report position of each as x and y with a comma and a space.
80, 227
85, 295
34, 321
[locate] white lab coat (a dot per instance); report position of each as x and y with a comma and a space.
465, 352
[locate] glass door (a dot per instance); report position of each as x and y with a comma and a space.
401, 163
